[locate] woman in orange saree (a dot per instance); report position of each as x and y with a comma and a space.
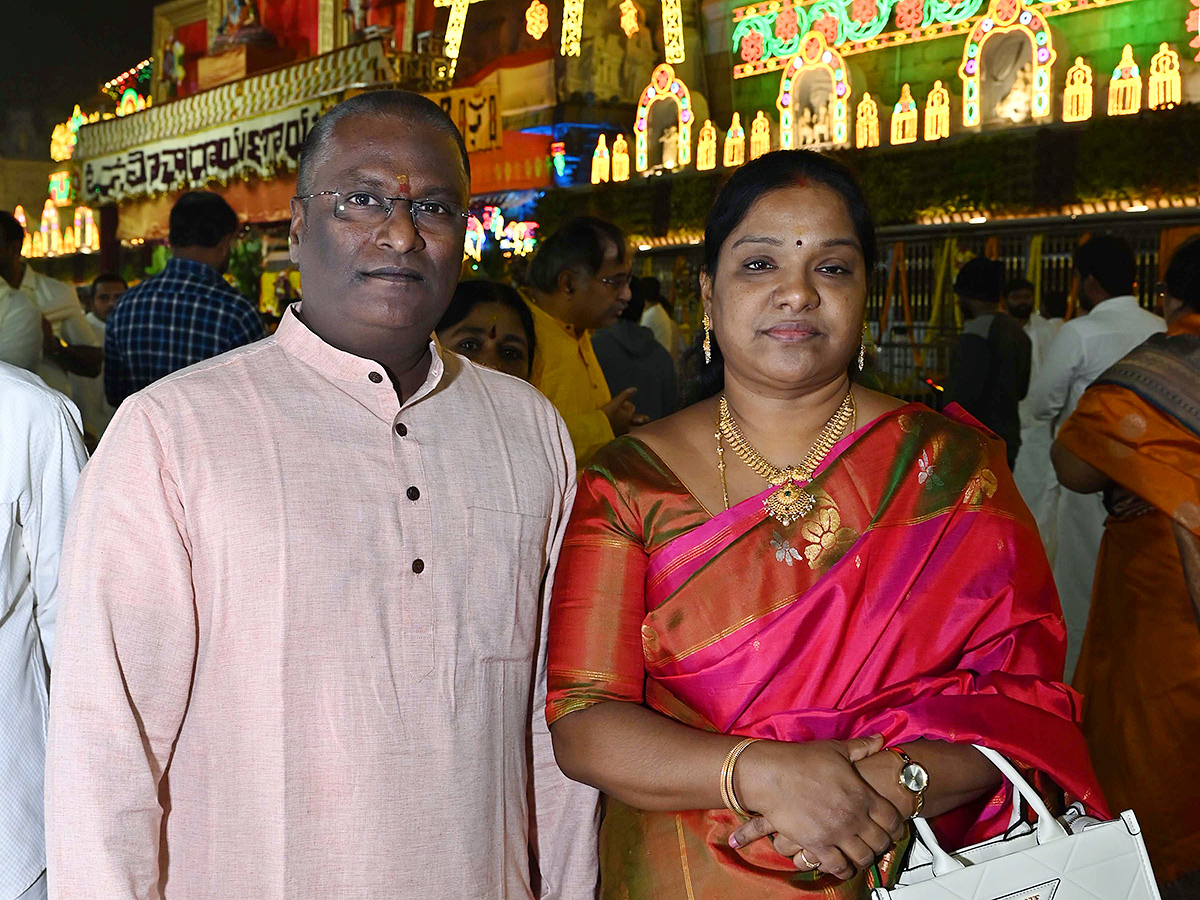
900, 600
1136, 435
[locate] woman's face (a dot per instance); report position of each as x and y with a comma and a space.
491, 335
788, 296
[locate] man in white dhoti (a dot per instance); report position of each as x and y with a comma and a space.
1083, 349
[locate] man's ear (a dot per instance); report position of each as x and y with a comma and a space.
566, 281
296, 229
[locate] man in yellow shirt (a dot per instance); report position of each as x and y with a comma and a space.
579, 279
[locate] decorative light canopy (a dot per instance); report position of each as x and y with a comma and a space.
814, 55
1077, 95
1004, 16
1165, 88
673, 30
537, 19
1125, 87
620, 159
866, 123
904, 118
664, 86
937, 113
760, 135
706, 147
572, 30
735, 144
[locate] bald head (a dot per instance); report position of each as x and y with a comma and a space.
405, 107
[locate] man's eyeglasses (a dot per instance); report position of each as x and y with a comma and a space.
366, 208
618, 281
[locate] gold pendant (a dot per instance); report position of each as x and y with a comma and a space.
789, 504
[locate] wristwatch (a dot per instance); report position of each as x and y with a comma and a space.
913, 777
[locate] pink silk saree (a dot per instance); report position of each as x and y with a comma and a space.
914, 600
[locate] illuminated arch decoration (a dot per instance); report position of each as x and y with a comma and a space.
706, 147
937, 113
1077, 95
1164, 88
1002, 17
815, 55
664, 86
735, 144
620, 159
537, 19
1125, 88
673, 30
572, 30
904, 118
866, 123
760, 135
475, 238
131, 101
87, 236
600, 161
50, 232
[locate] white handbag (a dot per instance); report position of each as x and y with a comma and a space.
1073, 858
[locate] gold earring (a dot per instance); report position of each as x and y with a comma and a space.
707, 339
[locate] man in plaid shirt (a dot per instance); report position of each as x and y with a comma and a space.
186, 313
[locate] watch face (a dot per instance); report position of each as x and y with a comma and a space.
914, 777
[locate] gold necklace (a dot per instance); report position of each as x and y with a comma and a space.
791, 502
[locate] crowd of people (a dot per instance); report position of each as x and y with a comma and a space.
460, 589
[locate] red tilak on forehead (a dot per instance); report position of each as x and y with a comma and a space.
402, 185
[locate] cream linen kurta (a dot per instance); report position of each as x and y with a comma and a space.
310, 622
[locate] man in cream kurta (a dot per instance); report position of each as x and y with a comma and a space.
302, 649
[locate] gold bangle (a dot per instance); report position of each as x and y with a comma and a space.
728, 794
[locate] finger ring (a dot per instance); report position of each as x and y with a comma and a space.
809, 864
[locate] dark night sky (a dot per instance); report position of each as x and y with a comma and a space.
58, 52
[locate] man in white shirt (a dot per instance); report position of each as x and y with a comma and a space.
303, 642
20, 329
41, 453
1083, 349
658, 319
1033, 473
71, 350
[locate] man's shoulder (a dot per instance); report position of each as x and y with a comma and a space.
26, 399
498, 388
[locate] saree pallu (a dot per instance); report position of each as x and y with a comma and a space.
1139, 671
914, 600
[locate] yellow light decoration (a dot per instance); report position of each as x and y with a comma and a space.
27, 245
629, 18
473, 249
1125, 88
620, 159
572, 30
1165, 90
455, 26
664, 86
937, 113
904, 118
1003, 17
68, 241
37, 247
600, 161
706, 147
537, 19
815, 55
760, 136
735, 144
866, 123
1077, 95
673, 30
19, 215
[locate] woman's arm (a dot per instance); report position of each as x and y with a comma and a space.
811, 791
1074, 474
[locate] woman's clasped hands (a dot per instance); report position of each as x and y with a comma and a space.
816, 805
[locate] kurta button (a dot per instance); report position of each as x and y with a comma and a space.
375, 377
418, 566
413, 494
401, 429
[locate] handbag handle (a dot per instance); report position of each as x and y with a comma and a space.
1048, 828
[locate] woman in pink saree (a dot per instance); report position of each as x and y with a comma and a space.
849, 581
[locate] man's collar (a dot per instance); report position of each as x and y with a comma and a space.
554, 320
196, 269
300, 341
